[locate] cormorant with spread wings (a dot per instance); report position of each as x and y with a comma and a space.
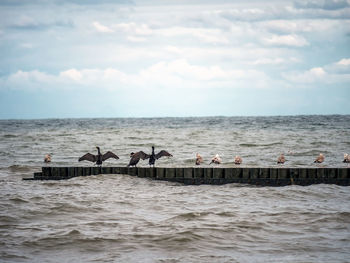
135, 157
99, 158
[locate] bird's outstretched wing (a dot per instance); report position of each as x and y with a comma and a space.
140, 155
162, 153
108, 155
137, 156
88, 157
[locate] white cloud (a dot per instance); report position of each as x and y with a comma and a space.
101, 28
286, 40
133, 28
72, 74
338, 72
299, 26
309, 76
172, 74
344, 62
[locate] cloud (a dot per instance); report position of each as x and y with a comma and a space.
71, 74
172, 74
133, 28
59, 2
322, 4
338, 72
344, 62
101, 28
25, 22
286, 40
207, 35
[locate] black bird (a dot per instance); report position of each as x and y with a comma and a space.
153, 157
99, 158
135, 158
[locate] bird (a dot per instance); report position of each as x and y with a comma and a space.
281, 159
153, 157
320, 158
346, 158
135, 158
216, 159
199, 159
238, 159
99, 158
47, 158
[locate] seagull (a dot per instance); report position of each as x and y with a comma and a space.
199, 159
320, 158
99, 158
135, 158
281, 159
238, 159
216, 159
47, 158
346, 158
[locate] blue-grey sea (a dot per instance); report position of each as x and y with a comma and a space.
119, 218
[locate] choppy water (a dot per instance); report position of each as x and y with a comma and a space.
118, 218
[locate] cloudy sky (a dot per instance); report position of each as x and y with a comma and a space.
173, 58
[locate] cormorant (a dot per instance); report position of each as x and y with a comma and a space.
281, 159
320, 158
152, 157
135, 158
99, 158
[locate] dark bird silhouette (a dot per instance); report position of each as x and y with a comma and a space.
152, 157
135, 158
99, 158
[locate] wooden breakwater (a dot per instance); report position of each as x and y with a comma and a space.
210, 175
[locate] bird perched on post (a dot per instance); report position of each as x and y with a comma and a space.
346, 158
199, 159
135, 157
320, 158
99, 158
281, 159
238, 159
216, 159
47, 158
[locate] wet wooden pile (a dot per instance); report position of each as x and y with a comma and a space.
210, 175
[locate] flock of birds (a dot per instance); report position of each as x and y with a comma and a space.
99, 158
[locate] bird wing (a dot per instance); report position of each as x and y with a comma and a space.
162, 153
108, 155
140, 155
137, 156
88, 157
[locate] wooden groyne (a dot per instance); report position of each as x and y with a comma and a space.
210, 175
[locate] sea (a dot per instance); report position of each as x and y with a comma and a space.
120, 218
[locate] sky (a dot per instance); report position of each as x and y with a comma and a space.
168, 58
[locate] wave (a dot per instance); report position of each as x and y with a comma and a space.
20, 168
259, 145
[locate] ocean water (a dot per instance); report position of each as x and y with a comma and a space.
119, 218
